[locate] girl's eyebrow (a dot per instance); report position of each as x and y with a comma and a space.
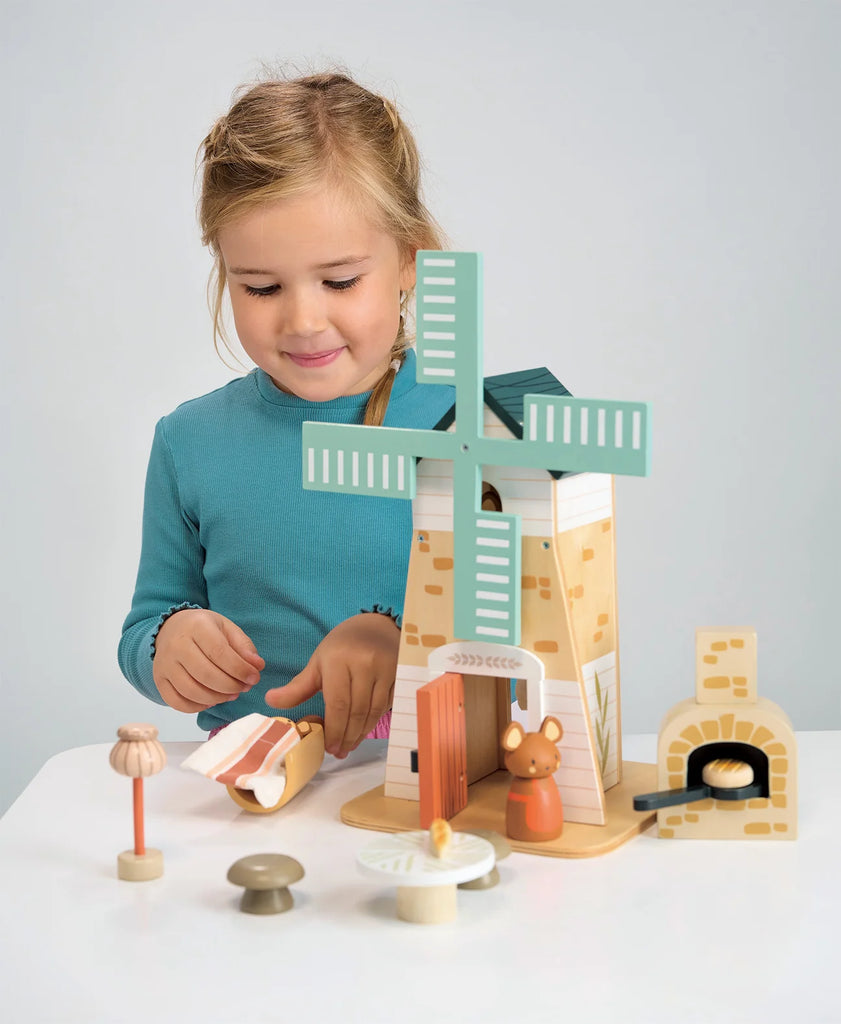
343, 262
330, 265
242, 271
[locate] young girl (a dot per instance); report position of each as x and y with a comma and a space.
251, 590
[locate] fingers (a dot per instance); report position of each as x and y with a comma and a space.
354, 666
186, 694
203, 659
299, 688
218, 668
369, 704
337, 698
381, 700
342, 717
354, 703
213, 659
242, 644
338, 709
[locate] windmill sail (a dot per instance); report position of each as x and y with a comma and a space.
588, 435
354, 461
449, 309
488, 578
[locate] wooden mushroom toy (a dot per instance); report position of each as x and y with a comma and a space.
266, 878
427, 867
138, 753
501, 850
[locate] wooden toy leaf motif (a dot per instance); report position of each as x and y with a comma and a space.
478, 661
410, 860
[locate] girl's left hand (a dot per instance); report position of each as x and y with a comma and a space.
354, 666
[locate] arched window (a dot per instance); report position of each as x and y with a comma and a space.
491, 501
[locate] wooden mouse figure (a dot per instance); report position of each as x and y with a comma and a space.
534, 812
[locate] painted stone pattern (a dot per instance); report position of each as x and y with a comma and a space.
428, 612
588, 559
725, 667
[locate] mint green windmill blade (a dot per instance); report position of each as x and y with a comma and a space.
355, 460
580, 435
487, 578
358, 459
595, 436
449, 318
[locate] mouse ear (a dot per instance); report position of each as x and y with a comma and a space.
513, 736
551, 728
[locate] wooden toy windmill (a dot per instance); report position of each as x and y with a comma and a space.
514, 488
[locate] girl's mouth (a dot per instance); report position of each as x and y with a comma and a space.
315, 359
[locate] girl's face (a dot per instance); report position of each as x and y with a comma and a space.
315, 290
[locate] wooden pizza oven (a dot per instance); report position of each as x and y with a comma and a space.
726, 720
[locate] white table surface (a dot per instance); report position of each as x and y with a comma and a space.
658, 930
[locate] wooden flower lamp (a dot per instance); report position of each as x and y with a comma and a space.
138, 753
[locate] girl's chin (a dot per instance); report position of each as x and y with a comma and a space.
310, 390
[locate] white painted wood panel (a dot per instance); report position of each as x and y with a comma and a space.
524, 492
582, 499
578, 778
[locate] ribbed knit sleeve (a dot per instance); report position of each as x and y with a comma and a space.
170, 576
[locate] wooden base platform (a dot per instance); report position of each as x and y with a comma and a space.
486, 809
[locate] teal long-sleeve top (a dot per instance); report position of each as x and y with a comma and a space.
227, 525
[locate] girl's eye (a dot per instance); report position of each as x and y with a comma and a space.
270, 289
342, 286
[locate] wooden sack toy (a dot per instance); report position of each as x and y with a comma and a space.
264, 761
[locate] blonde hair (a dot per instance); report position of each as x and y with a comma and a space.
285, 137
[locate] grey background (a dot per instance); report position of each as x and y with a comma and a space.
654, 186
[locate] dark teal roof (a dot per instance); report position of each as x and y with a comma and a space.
504, 393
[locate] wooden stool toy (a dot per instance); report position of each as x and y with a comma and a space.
138, 753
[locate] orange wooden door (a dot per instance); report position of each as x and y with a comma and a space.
442, 748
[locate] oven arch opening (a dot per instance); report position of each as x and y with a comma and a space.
753, 756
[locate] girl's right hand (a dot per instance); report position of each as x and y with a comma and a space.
202, 659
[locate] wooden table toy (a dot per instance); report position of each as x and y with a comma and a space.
426, 879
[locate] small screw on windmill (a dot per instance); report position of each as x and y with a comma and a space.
512, 570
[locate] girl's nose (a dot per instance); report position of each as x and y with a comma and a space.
304, 314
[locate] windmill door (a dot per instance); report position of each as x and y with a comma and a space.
442, 748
